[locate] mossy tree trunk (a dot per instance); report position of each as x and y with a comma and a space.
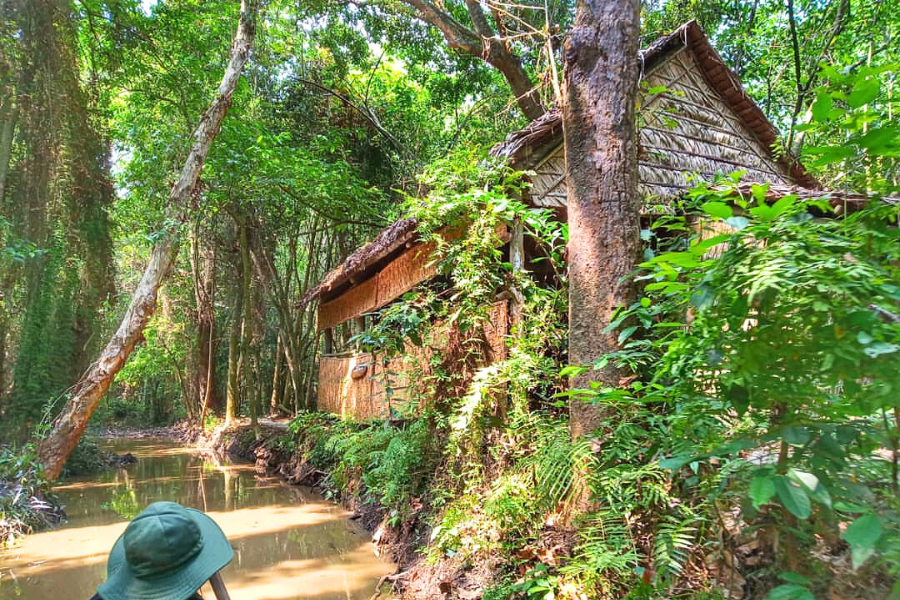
85, 396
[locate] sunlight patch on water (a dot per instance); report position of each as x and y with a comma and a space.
289, 543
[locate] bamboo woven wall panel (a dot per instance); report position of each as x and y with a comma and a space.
548, 185
367, 398
398, 277
687, 129
406, 272
341, 394
709, 228
402, 274
497, 328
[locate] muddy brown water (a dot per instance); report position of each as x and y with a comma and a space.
289, 542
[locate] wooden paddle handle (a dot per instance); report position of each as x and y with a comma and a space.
218, 587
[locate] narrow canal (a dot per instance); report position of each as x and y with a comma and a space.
289, 543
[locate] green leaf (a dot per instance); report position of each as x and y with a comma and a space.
849, 507
701, 247
792, 577
863, 338
783, 204
717, 209
821, 107
679, 259
813, 486
738, 223
829, 154
702, 296
679, 460
862, 535
790, 591
864, 91
880, 140
739, 397
762, 488
758, 190
880, 348
572, 370
793, 497
794, 435
626, 333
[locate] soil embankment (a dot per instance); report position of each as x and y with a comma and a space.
275, 450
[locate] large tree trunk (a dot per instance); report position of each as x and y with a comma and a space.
601, 176
54, 450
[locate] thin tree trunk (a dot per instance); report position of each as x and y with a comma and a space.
203, 269
245, 363
6, 138
55, 449
233, 394
601, 177
275, 399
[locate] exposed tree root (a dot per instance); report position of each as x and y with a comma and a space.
384, 579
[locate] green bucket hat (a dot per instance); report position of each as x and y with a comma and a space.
166, 553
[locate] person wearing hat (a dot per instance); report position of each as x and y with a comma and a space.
166, 553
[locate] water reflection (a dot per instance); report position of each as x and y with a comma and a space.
289, 543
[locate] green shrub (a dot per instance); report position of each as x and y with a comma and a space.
87, 457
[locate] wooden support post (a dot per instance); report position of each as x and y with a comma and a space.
516, 300
360, 322
517, 260
218, 587
329, 341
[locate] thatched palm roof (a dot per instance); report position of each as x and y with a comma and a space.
387, 243
546, 131
522, 147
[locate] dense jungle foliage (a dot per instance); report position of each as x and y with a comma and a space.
750, 451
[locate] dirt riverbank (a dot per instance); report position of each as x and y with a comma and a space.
274, 452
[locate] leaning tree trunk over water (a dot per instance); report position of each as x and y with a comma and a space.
85, 396
601, 177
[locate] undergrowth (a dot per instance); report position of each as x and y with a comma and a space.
26, 503
738, 460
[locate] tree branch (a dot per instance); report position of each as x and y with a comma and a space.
366, 113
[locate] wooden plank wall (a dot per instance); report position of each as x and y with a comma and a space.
366, 397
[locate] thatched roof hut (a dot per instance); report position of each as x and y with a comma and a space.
697, 120
694, 118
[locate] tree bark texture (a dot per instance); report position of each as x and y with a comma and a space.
85, 396
601, 78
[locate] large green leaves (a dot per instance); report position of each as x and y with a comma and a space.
863, 535
793, 497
